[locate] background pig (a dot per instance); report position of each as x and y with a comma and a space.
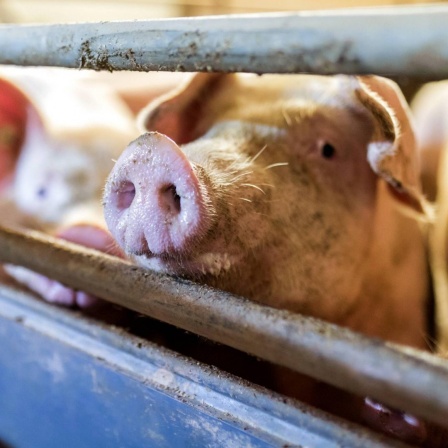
284, 189
429, 108
73, 131
431, 122
69, 131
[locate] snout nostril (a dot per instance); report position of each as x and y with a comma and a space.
170, 198
124, 195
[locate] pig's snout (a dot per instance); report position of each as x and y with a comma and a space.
155, 204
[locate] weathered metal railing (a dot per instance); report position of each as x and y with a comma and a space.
400, 377
389, 41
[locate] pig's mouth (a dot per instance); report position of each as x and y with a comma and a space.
205, 264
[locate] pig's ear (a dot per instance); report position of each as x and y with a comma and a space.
184, 115
392, 152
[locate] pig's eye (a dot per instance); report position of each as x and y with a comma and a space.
42, 192
328, 151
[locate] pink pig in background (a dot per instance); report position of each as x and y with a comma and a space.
73, 131
431, 129
431, 124
70, 129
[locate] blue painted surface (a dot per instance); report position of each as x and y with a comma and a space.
54, 396
68, 382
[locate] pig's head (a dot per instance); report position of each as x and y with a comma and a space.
56, 172
265, 186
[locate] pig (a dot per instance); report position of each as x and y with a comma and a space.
69, 131
294, 191
300, 192
72, 134
431, 123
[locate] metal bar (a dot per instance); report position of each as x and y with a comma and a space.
390, 41
403, 378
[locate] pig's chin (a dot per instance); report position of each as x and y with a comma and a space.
207, 264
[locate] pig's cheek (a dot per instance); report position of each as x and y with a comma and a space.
250, 232
348, 175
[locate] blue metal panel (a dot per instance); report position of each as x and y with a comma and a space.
67, 382
57, 397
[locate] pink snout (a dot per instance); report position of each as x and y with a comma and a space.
154, 203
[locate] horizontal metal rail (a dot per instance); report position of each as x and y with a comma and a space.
398, 41
403, 378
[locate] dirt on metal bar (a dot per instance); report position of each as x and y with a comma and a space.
351, 41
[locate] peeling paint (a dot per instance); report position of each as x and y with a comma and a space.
55, 367
165, 378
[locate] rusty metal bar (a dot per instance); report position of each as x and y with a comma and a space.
403, 378
395, 41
